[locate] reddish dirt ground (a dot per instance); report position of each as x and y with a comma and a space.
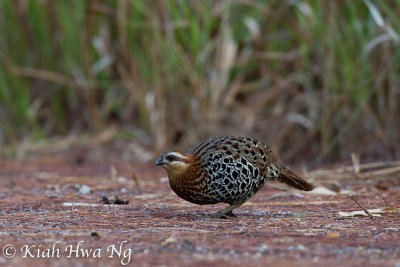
40, 207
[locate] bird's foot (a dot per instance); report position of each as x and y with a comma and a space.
229, 214
221, 215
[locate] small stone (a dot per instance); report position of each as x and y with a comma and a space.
84, 189
262, 248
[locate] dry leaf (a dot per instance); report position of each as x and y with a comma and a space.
374, 212
332, 235
168, 240
320, 190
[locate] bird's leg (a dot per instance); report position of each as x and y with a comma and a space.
228, 212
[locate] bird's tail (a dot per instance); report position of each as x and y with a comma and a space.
290, 178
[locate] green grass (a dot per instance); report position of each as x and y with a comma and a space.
315, 78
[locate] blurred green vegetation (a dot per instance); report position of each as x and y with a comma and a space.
318, 79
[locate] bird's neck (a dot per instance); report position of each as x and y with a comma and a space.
177, 174
181, 179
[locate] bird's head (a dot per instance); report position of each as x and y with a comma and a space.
174, 162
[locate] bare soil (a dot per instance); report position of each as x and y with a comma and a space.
46, 203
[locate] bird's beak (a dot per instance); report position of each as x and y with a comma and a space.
159, 161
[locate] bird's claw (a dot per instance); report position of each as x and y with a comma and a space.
220, 215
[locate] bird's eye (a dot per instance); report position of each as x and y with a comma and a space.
170, 158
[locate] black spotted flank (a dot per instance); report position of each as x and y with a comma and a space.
250, 168
235, 169
235, 174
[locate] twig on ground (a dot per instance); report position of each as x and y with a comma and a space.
134, 177
386, 203
361, 206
